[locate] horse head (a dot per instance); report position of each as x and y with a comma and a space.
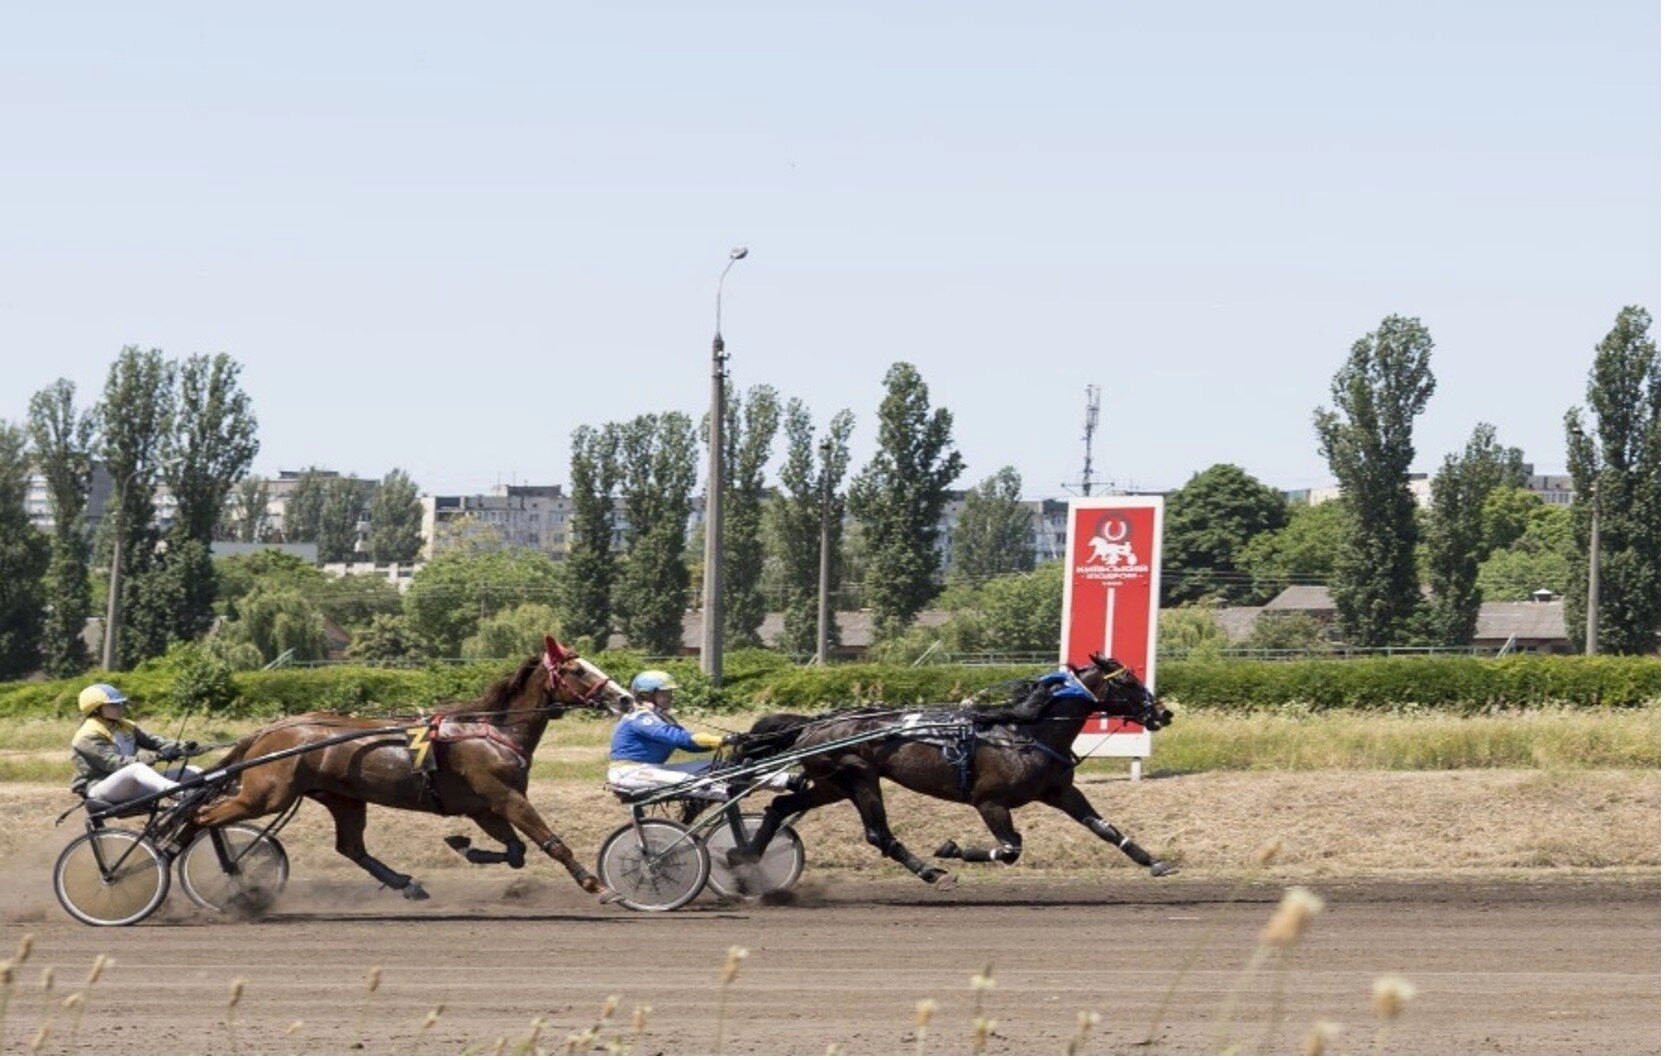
1123, 695
572, 681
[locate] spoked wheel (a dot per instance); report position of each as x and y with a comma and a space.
111, 877
234, 869
779, 868
656, 870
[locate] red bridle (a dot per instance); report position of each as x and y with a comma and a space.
555, 657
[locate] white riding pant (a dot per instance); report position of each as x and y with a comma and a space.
136, 780
640, 776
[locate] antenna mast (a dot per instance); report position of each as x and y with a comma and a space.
1087, 440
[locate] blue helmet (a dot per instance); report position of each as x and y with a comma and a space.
652, 681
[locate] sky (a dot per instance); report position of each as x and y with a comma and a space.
439, 237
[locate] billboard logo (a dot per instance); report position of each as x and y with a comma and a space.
1109, 546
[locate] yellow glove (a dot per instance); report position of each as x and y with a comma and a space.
708, 741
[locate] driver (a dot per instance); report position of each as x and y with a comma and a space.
113, 756
644, 739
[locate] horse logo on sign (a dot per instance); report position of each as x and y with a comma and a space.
1110, 546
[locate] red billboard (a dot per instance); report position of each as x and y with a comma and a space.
1114, 545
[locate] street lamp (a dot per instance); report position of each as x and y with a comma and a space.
112, 613
711, 639
822, 617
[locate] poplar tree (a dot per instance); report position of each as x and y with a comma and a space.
899, 498
395, 520
63, 443
587, 599
657, 455
253, 495
25, 554
994, 534
1457, 532
812, 470
748, 441
135, 418
1616, 463
305, 505
1366, 438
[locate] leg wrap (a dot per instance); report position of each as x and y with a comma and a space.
1107, 832
386, 876
555, 848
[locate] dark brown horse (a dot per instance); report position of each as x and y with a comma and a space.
996, 761
482, 753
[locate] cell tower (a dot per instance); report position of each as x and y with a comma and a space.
1087, 440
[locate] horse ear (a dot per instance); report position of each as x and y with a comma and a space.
556, 651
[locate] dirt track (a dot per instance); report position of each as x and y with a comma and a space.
1562, 965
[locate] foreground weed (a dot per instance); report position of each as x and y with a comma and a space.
40, 1037
638, 1023
731, 969
1263, 857
1288, 923
1084, 1023
583, 1041
76, 1003
372, 983
237, 986
981, 1025
922, 1013
1318, 1039
1388, 996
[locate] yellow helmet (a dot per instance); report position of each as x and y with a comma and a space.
95, 696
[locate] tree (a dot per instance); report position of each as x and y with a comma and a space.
211, 444
1506, 514
395, 520
591, 567
899, 498
237, 576
135, 418
351, 601
1303, 552
277, 621
305, 506
994, 535
253, 495
812, 471
1024, 612
338, 519
171, 601
748, 440
450, 596
513, 633
1617, 467
1540, 557
1287, 631
388, 639
1189, 630
25, 554
1208, 524
63, 441
1462, 489
1379, 392
657, 457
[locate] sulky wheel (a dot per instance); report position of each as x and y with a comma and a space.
111, 877
656, 865
779, 868
234, 869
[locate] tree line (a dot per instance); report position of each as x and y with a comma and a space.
1398, 574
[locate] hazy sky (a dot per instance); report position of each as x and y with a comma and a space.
441, 236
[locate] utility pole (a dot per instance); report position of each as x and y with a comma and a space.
1087, 440
1591, 607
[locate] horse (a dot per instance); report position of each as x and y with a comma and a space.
950, 754
480, 751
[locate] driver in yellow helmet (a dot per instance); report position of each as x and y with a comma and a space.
114, 757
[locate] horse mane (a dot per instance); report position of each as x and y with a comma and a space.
501, 694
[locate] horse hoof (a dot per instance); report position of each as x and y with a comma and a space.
608, 896
459, 843
946, 882
415, 892
1163, 868
949, 849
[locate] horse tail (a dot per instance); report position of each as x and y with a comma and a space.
239, 750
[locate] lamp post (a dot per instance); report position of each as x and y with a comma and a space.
112, 613
822, 616
711, 638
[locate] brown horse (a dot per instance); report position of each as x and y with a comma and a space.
482, 752
996, 761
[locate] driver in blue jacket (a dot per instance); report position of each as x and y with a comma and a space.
645, 738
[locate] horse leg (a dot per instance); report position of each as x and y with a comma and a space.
349, 817
870, 804
514, 807
999, 819
781, 807
1070, 800
513, 852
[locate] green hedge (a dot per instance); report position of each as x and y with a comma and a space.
760, 678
